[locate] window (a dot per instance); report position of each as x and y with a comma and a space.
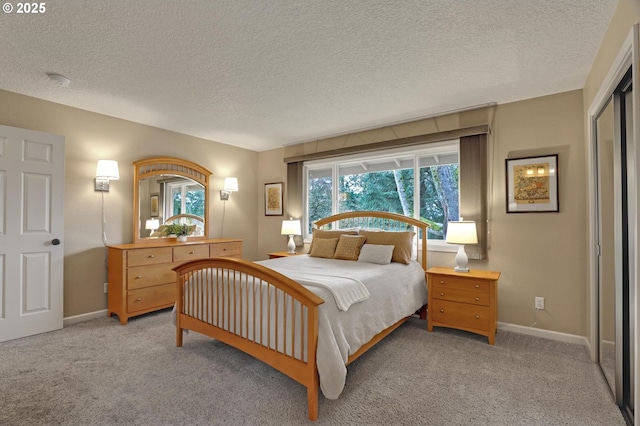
421, 182
185, 196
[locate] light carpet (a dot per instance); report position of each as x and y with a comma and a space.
101, 373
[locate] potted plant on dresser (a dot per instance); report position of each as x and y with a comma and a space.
179, 230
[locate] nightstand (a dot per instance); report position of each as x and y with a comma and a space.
463, 300
277, 254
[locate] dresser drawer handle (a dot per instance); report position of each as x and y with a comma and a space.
224, 249
138, 299
477, 299
477, 316
191, 252
441, 282
138, 277
442, 311
441, 294
477, 285
150, 256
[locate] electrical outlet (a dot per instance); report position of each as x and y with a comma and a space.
106, 287
539, 302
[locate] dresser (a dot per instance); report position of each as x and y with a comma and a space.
141, 276
463, 300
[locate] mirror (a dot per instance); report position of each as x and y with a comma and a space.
169, 190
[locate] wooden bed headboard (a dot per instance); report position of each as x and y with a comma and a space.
382, 221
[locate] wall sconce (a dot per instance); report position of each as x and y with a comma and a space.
462, 232
230, 185
106, 171
291, 227
152, 225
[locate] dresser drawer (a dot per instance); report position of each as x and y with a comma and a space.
150, 256
183, 254
440, 282
147, 276
151, 297
460, 314
464, 296
225, 249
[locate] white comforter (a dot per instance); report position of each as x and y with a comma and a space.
396, 291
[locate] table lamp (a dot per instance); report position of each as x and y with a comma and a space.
461, 233
291, 227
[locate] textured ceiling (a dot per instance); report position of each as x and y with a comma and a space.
260, 74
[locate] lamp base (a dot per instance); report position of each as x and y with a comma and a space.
462, 261
291, 245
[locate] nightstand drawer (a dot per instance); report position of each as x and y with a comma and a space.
183, 254
460, 314
441, 282
225, 249
151, 297
463, 296
149, 256
147, 276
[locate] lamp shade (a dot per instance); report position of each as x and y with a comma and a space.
291, 227
152, 224
462, 232
230, 184
107, 169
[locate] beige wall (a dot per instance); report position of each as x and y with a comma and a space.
539, 254
90, 137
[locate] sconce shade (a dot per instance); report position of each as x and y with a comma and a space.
107, 169
462, 232
291, 227
152, 224
230, 184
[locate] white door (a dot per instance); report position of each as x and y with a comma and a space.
31, 230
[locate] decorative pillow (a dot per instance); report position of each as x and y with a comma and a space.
324, 247
402, 242
375, 253
348, 247
319, 234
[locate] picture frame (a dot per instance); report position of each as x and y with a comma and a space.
532, 184
273, 199
154, 205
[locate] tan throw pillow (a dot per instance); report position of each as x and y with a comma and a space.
348, 247
324, 247
319, 234
402, 242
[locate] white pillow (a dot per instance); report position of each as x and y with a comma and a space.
376, 253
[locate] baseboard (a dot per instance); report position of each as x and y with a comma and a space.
547, 334
83, 317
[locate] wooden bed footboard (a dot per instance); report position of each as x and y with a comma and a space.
255, 309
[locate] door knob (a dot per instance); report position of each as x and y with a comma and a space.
55, 241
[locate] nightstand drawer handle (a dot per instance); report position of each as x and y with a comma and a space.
477, 299
477, 285
138, 277
150, 256
191, 252
441, 282
442, 311
441, 294
138, 299
477, 316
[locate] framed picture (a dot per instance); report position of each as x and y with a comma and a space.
154, 205
532, 184
273, 199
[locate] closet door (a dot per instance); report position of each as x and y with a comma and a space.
616, 236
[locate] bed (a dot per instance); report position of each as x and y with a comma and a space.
309, 316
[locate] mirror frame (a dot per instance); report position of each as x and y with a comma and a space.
151, 167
